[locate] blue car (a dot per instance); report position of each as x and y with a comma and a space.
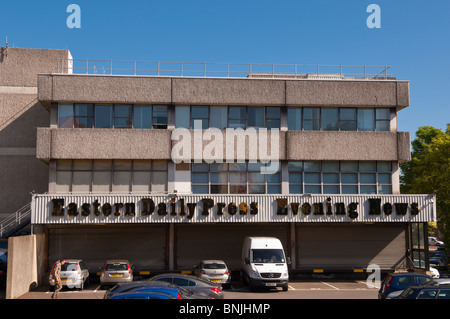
401, 281
147, 286
143, 294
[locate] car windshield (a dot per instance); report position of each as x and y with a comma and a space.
214, 266
267, 256
116, 267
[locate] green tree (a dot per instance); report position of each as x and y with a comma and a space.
428, 172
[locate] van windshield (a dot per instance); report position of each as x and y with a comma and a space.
267, 256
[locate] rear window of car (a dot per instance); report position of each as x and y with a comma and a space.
214, 266
116, 267
69, 266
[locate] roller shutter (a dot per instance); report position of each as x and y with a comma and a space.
220, 241
345, 246
143, 246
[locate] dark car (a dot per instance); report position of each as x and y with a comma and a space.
401, 281
193, 284
3, 267
177, 292
142, 294
426, 292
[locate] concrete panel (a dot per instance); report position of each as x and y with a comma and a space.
108, 89
345, 93
25, 253
404, 146
228, 91
315, 145
105, 144
19, 67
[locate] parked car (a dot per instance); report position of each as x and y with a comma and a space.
116, 271
147, 285
434, 272
426, 292
215, 271
193, 284
74, 274
400, 281
433, 241
143, 294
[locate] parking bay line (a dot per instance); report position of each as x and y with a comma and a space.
336, 288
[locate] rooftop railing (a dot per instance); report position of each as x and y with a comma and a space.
222, 70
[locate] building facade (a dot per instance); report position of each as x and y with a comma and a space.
168, 170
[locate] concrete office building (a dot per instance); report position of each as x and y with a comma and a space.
114, 189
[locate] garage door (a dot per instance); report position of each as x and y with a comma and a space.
143, 246
220, 241
345, 246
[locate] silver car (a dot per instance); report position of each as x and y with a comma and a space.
116, 271
74, 274
215, 271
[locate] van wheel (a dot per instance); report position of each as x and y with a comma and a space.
285, 288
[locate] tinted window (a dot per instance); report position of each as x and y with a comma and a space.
444, 294
406, 281
423, 280
182, 282
427, 294
116, 267
214, 266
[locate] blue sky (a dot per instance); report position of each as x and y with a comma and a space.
414, 38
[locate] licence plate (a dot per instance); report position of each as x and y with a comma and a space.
116, 275
271, 284
215, 280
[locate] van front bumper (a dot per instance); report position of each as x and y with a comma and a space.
267, 283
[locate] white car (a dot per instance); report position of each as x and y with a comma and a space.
433, 241
74, 274
215, 271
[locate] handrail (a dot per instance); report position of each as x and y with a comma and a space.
15, 221
208, 69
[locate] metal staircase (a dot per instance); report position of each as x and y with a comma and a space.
18, 220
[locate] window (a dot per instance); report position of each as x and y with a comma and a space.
123, 116
273, 116
255, 117
295, 177
103, 116
201, 114
330, 119
65, 116
382, 120
312, 177
159, 116
366, 120
311, 119
237, 117
294, 119
142, 117
427, 294
347, 119
233, 178
218, 117
84, 115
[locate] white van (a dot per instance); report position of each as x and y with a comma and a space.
264, 263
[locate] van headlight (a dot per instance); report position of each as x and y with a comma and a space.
255, 274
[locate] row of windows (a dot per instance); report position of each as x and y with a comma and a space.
338, 119
315, 177
111, 176
234, 178
112, 116
222, 117
145, 176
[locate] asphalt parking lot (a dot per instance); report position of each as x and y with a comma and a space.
310, 289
